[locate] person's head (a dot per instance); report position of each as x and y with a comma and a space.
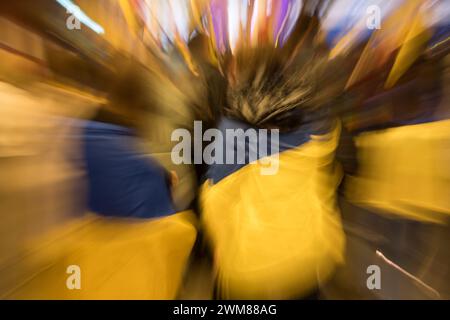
133, 92
267, 92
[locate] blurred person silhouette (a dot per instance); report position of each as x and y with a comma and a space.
278, 235
210, 88
135, 245
396, 203
122, 181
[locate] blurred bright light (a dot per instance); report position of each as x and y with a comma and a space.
81, 16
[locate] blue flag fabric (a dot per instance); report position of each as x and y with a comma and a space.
123, 182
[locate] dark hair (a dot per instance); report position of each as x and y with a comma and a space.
264, 91
133, 87
132, 92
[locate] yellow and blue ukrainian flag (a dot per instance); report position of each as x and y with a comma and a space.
276, 236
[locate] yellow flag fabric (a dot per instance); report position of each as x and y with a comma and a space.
404, 172
276, 236
413, 46
111, 258
395, 32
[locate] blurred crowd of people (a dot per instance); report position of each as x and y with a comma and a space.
91, 92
